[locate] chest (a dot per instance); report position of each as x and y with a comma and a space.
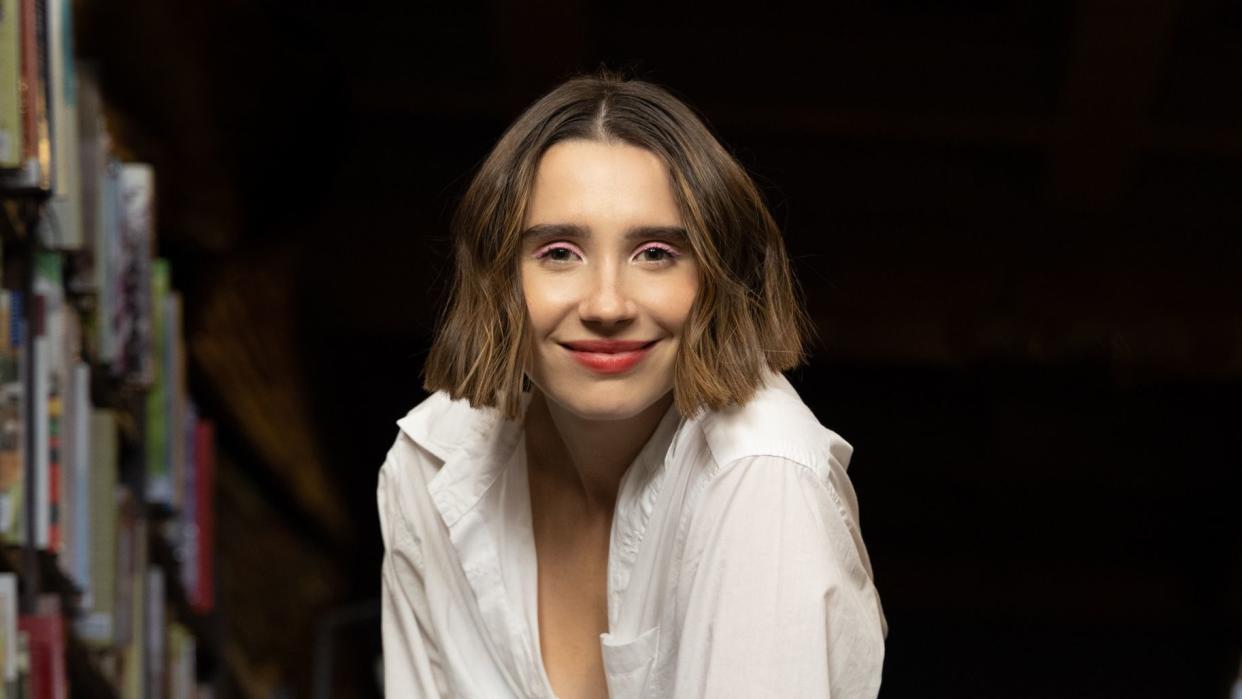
572, 563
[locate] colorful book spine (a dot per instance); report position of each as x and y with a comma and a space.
12, 419
49, 346
40, 431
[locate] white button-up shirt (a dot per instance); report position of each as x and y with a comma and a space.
735, 569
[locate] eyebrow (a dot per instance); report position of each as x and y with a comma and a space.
544, 231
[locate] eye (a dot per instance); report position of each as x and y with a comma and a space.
557, 253
657, 253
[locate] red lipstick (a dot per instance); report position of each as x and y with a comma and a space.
608, 356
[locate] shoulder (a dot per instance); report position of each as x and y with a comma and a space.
437, 429
775, 422
427, 436
771, 461
441, 425
449, 451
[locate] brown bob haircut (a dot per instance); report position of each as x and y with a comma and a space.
747, 316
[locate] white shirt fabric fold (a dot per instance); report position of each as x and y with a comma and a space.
736, 565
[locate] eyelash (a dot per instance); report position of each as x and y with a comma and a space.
547, 250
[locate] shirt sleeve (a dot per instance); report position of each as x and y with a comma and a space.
778, 600
411, 665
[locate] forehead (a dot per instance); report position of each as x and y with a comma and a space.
593, 183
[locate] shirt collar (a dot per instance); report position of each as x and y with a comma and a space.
473, 444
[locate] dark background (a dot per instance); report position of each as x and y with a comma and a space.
1018, 229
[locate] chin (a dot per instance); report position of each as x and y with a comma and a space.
607, 400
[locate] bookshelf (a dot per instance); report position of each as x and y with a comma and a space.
106, 469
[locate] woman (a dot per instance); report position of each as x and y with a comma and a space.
613, 491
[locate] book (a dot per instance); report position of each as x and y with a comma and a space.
132, 314
181, 654
157, 626
100, 589
79, 504
107, 263
158, 413
40, 431
23, 688
49, 348
128, 552
177, 399
30, 136
37, 126
132, 580
12, 418
10, 84
46, 630
65, 231
93, 145
187, 541
202, 593
8, 629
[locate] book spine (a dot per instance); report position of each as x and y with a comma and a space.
8, 626
55, 412
189, 542
175, 361
42, 127
96, 626
12, 420
10, 84
126, 566
204, 485
108, 262
133, 315
81, 502
46, 631
29, 48
40, 433
156, 658
159, 477
66, 233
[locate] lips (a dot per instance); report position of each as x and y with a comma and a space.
609, 356
607, 346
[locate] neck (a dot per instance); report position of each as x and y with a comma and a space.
587, 457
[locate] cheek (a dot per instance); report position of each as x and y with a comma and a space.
670, 302
547, 299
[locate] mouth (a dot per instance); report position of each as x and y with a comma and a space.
607, 346
609, 356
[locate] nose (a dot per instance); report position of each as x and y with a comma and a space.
606, 300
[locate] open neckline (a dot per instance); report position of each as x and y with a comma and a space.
528, 575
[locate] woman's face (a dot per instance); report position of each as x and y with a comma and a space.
607, 276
